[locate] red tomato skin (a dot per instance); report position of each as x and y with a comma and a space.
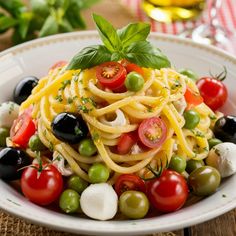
127, 182
169, 192
192, 99
43, 188
146, 125
133, 67
114, 82
58, 64
22, 129
125, 143
213, 91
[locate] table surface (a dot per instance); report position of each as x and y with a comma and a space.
224, 225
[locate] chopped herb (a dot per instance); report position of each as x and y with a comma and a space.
84, 109
11, 108
58, 158
212, 117
223, 195
70, 100
76, 76
88, 100
95, 136
64, 84
51, 146
206, 149
78, 131
197, 133
45, 132
149, 109
217, 151
176, 85
59, 98
81, 81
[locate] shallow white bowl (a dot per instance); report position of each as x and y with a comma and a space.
34, 58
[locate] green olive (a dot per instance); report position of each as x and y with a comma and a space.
87, 147
204, 180
213, 141
192, 119
193, 165
189, 73
76, 183
35, 143
177, 163
133, 204
69, 201
98, 173
4, 133
134, 81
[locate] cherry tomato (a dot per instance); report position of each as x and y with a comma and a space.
111, 74
213, 91
125, 143
192, 98
58, 64
152, 132
131, 67
22, 129
168, 192
127, 182
42, 187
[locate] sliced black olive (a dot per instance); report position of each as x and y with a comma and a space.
23, 88
11, 160
69, 127
225, 129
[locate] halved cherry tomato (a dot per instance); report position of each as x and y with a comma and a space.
111, 74
125, 143
168, 192
192, 98
213, 91
152, 132
132, 67
42, 187
58, 64
22, 129
127, 182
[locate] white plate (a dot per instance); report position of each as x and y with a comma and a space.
34, 58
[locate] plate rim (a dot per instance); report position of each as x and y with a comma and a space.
92, 33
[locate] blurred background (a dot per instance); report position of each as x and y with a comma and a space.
205, 21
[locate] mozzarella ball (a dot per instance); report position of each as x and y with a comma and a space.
223, 158
9, 111
99, 201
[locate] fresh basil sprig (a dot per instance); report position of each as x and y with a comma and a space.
126, 43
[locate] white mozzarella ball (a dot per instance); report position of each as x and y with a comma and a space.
223, 158
9, 111
99, 201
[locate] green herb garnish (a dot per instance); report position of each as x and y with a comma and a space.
59, 98
127, 43
64, 84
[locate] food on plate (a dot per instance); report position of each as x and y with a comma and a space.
116, 131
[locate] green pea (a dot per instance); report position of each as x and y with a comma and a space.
134, 81
4, 133
69, 201
98, 173
76, 183
192, 119
189, 73
87, 147
193, 165
177, 163
213, 141
133, 204
35, 143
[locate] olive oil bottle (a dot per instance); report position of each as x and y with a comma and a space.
173, 10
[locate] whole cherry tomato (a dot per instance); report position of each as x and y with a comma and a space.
168, 192
41, 186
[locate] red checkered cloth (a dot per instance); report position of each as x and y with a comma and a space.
227, 18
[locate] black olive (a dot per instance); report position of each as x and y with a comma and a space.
23, 89
69, 127
11, 160
225, 129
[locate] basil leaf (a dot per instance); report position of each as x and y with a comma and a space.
144, 54
89, 57
6, 22
40, 7
25, 19
65, 26
73, 15
14, 7
107, 33
50, 27
133, 33
87, 3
